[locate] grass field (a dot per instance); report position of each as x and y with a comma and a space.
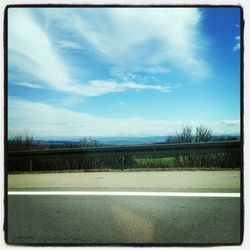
155, 162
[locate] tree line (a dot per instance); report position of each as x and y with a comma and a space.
186, 135
205, 160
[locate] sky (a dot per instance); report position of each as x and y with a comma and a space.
76, 72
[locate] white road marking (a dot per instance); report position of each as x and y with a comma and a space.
124, 193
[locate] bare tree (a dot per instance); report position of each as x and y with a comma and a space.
203, 134
185, 134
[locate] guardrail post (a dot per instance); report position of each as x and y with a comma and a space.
30, 169
122, 166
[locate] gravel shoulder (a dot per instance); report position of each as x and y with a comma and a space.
170, 179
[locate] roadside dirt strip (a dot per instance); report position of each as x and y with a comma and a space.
151, 180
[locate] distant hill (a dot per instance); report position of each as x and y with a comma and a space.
128, 140
131, 140
109, 141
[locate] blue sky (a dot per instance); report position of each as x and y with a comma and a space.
76, 72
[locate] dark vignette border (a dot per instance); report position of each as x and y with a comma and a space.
242, 120
5, 43
5, 30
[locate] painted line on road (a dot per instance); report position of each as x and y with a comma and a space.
116, 193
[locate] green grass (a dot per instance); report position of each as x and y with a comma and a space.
166, 162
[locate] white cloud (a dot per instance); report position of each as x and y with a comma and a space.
69, 102
32, 52
100, 87
67, 44
136, 38
29, 85
139, 86
157, 70
237, 45
231, 122
44, 120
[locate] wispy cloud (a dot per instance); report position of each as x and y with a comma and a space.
49, 121
99, 87
68, 102
156, 70
140, 38
33, 52
29, 85
237, 45
67, 44
231, 122
136, 42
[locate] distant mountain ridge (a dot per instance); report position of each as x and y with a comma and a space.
128, 140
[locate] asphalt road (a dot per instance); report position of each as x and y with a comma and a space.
116, 219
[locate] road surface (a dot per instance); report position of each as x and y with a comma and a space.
179, 207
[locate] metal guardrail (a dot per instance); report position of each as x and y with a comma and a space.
152, 150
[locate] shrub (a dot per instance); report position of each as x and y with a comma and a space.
24, 142
204, 160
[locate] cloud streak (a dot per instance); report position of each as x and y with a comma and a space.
67, 44
28, 85
49, 121
101, 87
144, 37
237, 45
32, 52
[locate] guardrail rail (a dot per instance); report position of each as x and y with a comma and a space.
152, 150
